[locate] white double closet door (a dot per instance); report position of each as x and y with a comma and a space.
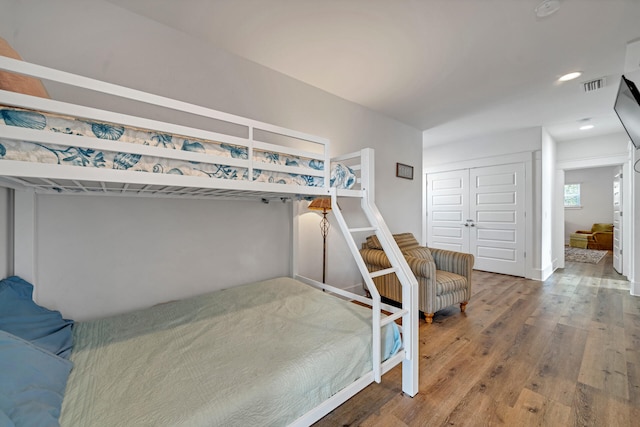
480, 211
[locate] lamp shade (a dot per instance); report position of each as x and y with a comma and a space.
320, 204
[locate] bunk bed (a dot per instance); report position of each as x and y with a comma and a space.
338, 347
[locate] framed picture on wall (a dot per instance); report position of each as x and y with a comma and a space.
404, 171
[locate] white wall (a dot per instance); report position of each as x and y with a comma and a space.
632, 261
125, 250
547, 200
632, 222
597, 149
100, 40
499, 144
596, 197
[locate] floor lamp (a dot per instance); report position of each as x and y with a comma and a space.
323, 204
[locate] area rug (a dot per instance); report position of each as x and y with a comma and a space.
591, 256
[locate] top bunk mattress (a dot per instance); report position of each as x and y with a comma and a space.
222, 160
258, 354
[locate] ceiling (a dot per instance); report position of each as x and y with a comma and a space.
454, 68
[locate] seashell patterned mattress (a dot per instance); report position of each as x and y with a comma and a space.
27, 151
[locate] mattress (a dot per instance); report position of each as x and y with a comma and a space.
29, 151
258, 354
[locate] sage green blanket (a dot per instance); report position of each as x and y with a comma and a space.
253, 355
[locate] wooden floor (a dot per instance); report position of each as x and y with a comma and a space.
564, 352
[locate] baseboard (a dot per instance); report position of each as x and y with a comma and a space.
635, 289
556, 264
542, 274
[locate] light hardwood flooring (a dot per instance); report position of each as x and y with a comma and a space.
564, 352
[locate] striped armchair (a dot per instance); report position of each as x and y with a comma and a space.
444, 277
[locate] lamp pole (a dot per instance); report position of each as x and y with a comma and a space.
323, 204
324, 230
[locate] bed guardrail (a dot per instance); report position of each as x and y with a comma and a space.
256, 137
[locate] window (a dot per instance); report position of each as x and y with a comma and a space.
572, 196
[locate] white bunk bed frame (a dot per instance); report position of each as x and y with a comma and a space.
29, 178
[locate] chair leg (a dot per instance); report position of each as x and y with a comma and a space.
428, 317
463, 306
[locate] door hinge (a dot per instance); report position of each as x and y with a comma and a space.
620, 213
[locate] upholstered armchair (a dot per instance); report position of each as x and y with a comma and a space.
599, 237
444, 277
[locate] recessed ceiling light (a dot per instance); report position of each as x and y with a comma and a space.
570, 76
546, 8
586, 127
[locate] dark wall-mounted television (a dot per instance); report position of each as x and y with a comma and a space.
627, 108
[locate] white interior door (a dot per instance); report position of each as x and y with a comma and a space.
498, 214
480, 211
448, 210
617, 222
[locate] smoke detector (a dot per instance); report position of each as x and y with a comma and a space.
546, 8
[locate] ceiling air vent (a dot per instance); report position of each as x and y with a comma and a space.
593, 85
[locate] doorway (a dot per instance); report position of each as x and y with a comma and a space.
610, 183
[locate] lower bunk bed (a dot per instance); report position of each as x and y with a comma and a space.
264, 353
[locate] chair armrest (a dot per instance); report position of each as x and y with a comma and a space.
453, 262
604, 239
375, 257
420, 267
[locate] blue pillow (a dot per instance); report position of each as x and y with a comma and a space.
5, 421
22, 317
33, 382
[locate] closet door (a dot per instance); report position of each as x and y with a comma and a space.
480, 211
448, 210
617, 222
497, 209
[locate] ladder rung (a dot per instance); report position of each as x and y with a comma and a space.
383, 272
357, 230
393, 317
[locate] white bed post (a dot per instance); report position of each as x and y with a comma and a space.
24, 246
411, 319
367, 168
295, 238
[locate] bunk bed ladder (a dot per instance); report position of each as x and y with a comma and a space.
399, 267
